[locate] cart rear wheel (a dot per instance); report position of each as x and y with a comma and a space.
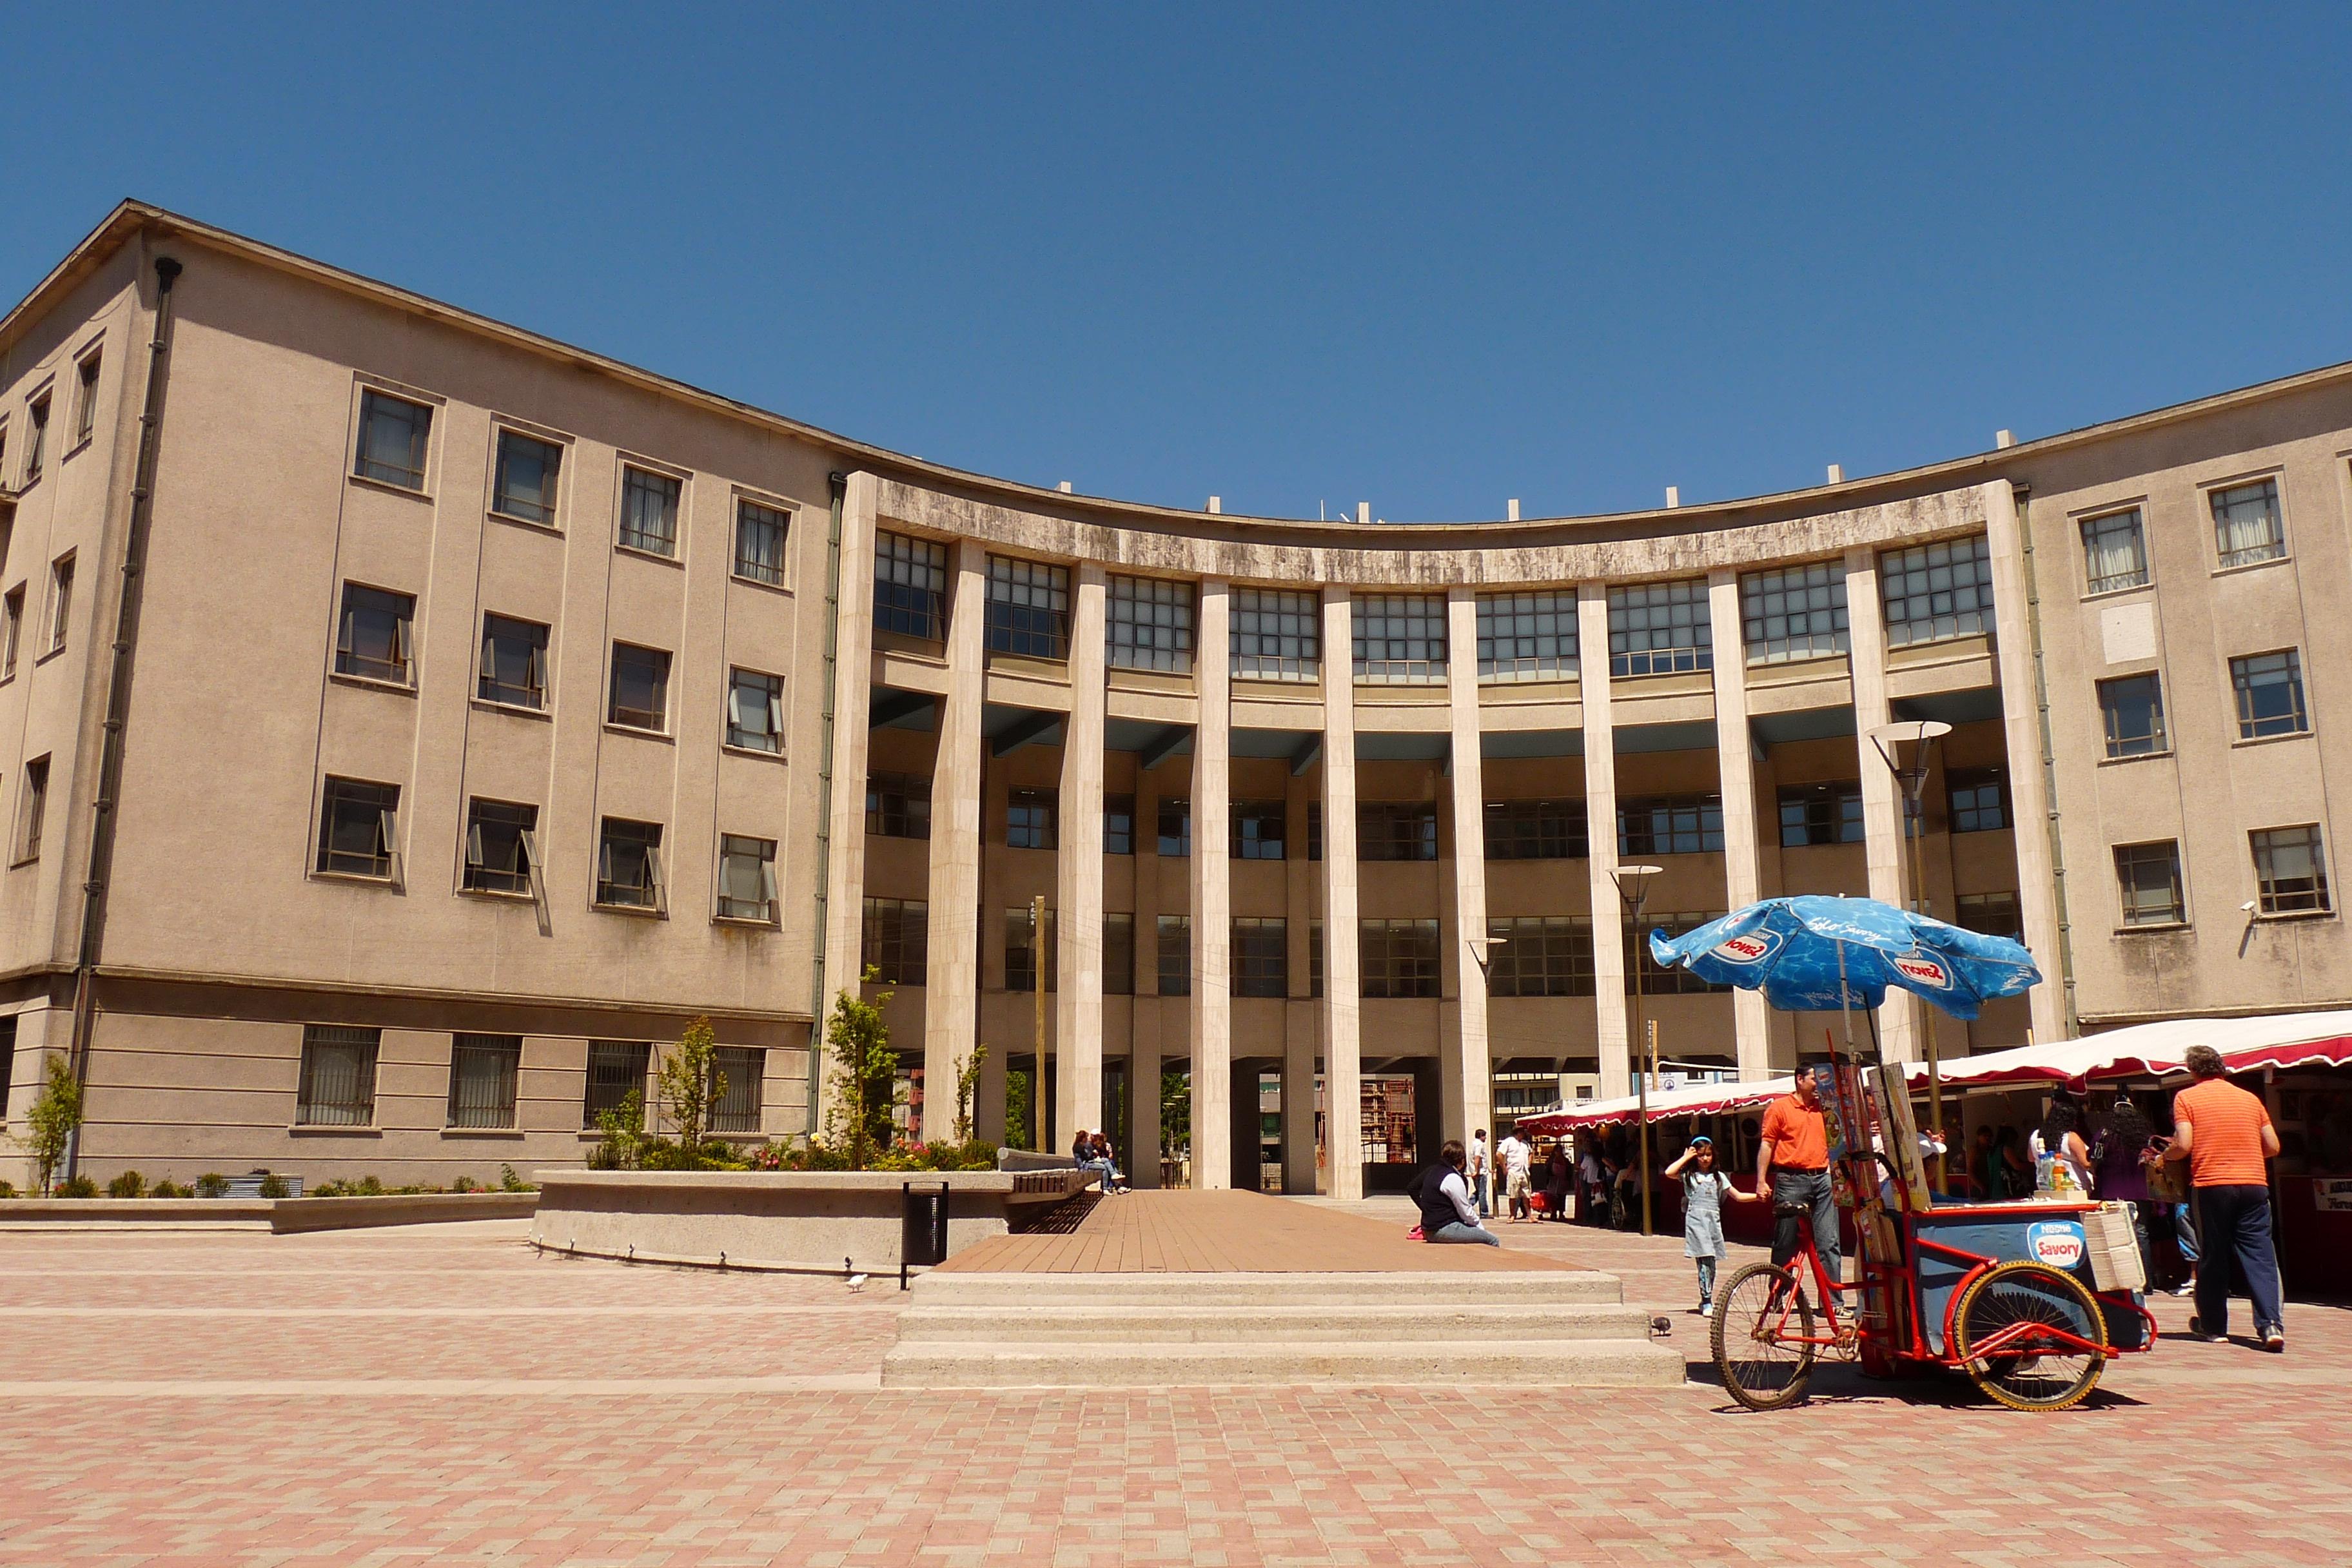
1755, 1316
2009, 1308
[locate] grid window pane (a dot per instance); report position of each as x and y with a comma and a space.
760, 541
1798, 613
910, 586
1656, 979
354, 819
2290, 870
898, 806
1937, 591
524, 485
1032, 818
755, 711
616, 1070
1261, 957
1669, 824
1259, 829
640, 687
742, 1073
1659, 629
1175, 955
628, 860
1539, 955
1315, 958
2132, 708
482, 1073
1150, 625
1276, 634
1028, 608
1526, 636
497, 859
337, 1080
1820, 814
393, 436
1979, 798
1994, 914
1119, 955
2270, 694
1395, 830
1536, 830
514, 662
747, 878
1175, 826
1400, 637
2115, 552
1314, 830
372, 639
2147, 878
2247, 525
649, 510
1118, 825
1400, 957
896, 940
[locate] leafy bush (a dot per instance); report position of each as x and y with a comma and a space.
274, 1187
973, 1154
368, 1187
464, 1184
51, 1120
622, 1147
510, 1183
168, 1188
7, 1189
129, 1184
77, 1187
212, 1184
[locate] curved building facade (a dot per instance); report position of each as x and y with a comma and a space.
489, 709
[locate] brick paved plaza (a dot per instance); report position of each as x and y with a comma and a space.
442, 1395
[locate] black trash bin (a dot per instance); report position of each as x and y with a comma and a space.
923, 1227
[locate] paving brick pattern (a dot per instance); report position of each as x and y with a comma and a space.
259, 1405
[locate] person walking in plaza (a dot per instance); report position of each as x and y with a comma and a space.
2225, 1134
1704, 1191
1593, 1176
1511, 1156
1443, 1192
1482, 1175
1792, 1167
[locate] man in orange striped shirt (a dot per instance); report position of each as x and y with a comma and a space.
2225, 1136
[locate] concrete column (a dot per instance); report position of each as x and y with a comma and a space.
951, 974
1142, 1153
1343, 988
1472, 1089
1078, 870
850, 698
1213, 893
1298, 1162
2028, 785
1601, 831
1882, 802
1742, 865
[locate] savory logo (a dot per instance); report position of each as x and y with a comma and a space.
1923, 970
1752, 947
2060, 1243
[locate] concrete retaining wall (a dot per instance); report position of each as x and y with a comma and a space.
279, 1215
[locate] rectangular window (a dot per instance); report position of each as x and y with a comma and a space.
895, 942
1979, 798
1258, 829
640, 687
2270, 694
524, 487
1118, 825
482, 1073
755, 711
1400, 637
2132, 708
1400, 957
1314, 830
1994, 914
1820, 814
1021, 947
1526, 636
1937, 591
1031, 819
393, 436
740, 1072
628, 865
1150, 625
910, 587
2247, 525
374, 639
357, 827
62, 579
36, 438
514, 662
616, 1070
2147, 878
33, 810
760, 533
1660, 982
1536, 830
1539, 955
498, 846
86, 402
1261, 957
1395, 830
2290, 870
1175, 826
649, 510
898, 806
1276, 634
1028, 608
1669, 824
7, 1062
12, 630
1659, 629
1119, 955
1796, 613
747, 879
337, 1086
2115, 552
1175, 955
1315, 959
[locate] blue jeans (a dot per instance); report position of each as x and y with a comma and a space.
1104, 1169
1705, 1281
1812, 1189
1484, 1194
2184, 1234
2233, 1225
1455, 1230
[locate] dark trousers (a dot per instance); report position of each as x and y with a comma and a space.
2233, 1233
1811, 1189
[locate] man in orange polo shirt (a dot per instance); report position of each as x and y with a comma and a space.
2225, 1136
1792, 1166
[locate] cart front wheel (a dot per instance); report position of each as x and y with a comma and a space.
2031, 1337
1762, 1322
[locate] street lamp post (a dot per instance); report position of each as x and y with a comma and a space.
1633, 891
1923, 735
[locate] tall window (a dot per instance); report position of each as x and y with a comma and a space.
628, 865
7, 1062
1028, 608
1792, 613
61, 581
372, 638
1539, 955
498, 846
1658, 628
1658, 980
2132, 708
742, 1073
1526, 636
337, 1086
747, 879
1175, 826
1400, 957
898, 806
1937, 591
1314, 830
514, 662
649, 510
1536, 830
1150, 625
616, 1070
896, 940
1175, 955
1979, 799
357, 830
2270, 694
760, 541
2147, 879
1261, 957
1669, 824
2247, 526
755, 711
640, 687
524, 487
32, 809
910, 587
482, 1073
86, 400
1118, 825
1400, 637
1994, 914
1820, 814
2115, 552
1395, 830
1315, 958
12, 630
1119, 955
2290, 870
393, 436
1022, 943
1258, 829
1030, 819
1276, 634
36, 438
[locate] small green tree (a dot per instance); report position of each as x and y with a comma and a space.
689, 1084
1020, 1107
967, 1089
52, 1119
622, 1126
1176, 1113
866, 1074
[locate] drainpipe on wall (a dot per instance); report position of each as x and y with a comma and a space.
839, 482
118, 695
2049, 766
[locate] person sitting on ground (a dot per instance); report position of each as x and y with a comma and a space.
1443, 1193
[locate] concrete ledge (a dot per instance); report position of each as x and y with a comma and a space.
283, 1216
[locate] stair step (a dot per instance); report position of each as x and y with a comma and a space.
1562, 1286
1205, 1323
1587, 1363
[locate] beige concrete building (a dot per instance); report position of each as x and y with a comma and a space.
414, 723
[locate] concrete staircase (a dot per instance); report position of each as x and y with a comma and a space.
1555, 1328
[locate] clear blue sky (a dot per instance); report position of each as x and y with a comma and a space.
1431, 257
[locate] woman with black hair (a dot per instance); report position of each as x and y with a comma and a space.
2061, 1140
2119, 1162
